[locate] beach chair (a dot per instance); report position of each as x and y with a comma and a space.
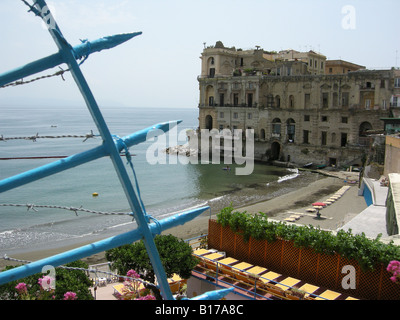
176, 283
118, 288
210, 260
201, 252
287, 283
328, 295
275, 291
225, 266
254, 275
267, 278
351, 298
240, 271
308, 289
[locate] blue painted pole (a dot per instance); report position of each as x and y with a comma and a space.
96, 247
123, 176
214, 295
80, 158
80, 51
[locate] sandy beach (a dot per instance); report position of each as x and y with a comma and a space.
279, 208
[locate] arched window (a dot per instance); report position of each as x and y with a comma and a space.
209, 122
262, 134
277, 101
291, 101
209, 96
290, 129
270, 101
276, 128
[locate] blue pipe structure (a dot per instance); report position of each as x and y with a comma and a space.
110, 147
96, 247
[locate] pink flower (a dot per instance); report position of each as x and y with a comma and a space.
70, 296
46, 283
394, 268
133, 274
21, 288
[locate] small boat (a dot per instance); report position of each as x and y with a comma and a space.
308, 165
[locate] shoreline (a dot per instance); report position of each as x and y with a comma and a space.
277, 208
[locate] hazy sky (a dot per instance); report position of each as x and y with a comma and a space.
160, 67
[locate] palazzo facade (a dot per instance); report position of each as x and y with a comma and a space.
299, 109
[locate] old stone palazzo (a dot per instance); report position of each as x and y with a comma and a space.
302, 107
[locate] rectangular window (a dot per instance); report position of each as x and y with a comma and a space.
221, 115
397, 82
344, 119
250, 99
343, 140
306, 118
212, 72
384, 106
305, 136
235, 99
324, 118
324, 134
395, 101
249, 116
325, 100
235, 115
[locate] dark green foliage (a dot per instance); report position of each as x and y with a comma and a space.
73, 280
66, 280
175, 254
368, 252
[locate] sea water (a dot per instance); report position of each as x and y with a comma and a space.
164, 188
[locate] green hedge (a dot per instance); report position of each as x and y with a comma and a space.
368, 252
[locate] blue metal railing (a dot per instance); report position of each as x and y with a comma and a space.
111, 147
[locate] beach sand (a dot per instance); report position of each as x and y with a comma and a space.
279, 208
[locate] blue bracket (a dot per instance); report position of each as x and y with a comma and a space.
110, 147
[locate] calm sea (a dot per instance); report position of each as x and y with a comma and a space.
165, 188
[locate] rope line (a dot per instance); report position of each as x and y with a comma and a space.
35, 137
21, 82
33, 207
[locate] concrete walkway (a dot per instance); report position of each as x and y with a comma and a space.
372, 220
